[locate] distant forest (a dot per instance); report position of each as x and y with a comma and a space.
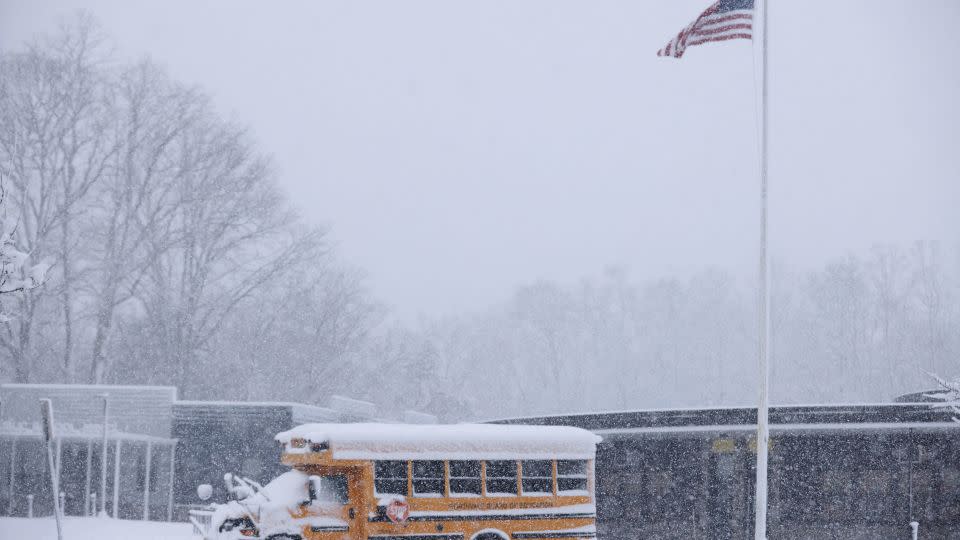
176, 260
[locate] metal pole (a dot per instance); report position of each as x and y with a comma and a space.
46, 415
173, 452
763, 431
910, 485
116, 479
13, 473
103, 459
146, 484
86, 482
59, 455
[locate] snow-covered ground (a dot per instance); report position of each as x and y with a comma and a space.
77, 528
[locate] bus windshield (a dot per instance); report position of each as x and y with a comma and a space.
329, 489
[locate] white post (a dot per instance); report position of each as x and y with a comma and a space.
59, 459
173, 452
763, 431
146, 484
46, 416
86, 481
13, 473
103, 460
63, 497
30, 506
116, 479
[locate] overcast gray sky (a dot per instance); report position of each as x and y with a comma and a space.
457, 149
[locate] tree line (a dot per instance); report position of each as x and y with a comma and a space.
864, 328
172, 257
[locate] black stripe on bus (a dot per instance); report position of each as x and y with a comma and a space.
328, 528
418, 537
381, 518
554, 534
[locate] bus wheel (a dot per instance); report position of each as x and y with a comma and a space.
490, 535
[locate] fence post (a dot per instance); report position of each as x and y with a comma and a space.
173, 453
13, 474
86, 479
46, 416
146, 482
30, 506
116, 479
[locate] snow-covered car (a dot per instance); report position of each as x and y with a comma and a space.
283, 508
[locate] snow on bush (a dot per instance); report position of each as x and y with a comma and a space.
15, 275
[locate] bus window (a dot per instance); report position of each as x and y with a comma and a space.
465, 478
501, 478
537, 477
428, 478
390, 477
571, 477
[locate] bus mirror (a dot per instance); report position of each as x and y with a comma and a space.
204, 491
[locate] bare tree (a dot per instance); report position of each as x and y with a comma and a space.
163, 219
233, 234
891, 284
53, 151
133, 217
932, 297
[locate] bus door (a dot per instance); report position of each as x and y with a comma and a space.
335, 503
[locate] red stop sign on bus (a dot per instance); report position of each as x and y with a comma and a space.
398, 511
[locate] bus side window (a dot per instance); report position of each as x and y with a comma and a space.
465, 478
390, 477
571, 477
501, 478
428, 478
537, 477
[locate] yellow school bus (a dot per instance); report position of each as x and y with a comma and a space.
435, 482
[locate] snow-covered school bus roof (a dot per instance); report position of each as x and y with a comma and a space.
453, 441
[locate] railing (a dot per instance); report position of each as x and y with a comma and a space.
200, 519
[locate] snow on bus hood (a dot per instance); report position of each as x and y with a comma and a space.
454, 441
271, 507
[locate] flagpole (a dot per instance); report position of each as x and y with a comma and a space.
763, 431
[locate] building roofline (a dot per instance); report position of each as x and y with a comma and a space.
66, 386
112, 436
790, 427
218, 403
902, 414
780, 406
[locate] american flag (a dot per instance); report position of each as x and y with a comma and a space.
727, 19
